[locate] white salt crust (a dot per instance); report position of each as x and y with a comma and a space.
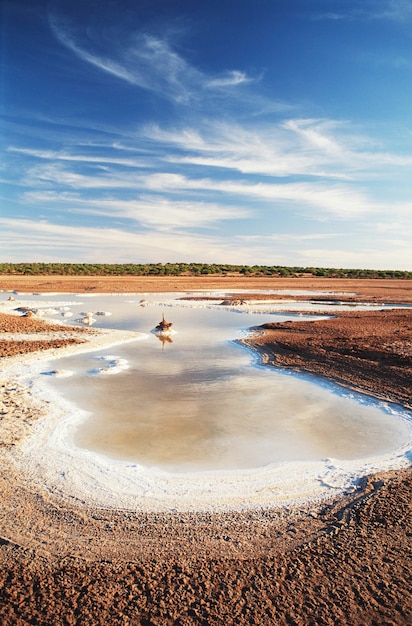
48, 457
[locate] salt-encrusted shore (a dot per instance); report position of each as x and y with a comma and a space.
49, 458
344, 561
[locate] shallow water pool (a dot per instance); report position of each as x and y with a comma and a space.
201, 402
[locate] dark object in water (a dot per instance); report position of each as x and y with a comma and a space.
164, 325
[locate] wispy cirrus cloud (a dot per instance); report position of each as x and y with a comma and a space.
230, 79
212, 173
172, 199
57, 155
291, 238
320, 200
236, 166
390, 10
335, 201
277, 149
55, 174
393, 10
310, 147
28, 239
319, 148
150, 211
144, 60
365, 257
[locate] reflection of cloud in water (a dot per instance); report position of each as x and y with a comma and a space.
234, 421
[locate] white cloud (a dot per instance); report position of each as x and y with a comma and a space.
316, 135
397, 10
317, 199
310, 147
62, 32
398, 223
57, 155
231, 79
367, 258
148, 211
271, 150
337, 166
294, 172
334, 200
318, 149
290, 238
144, 60
56, 175
389, 10
26, 240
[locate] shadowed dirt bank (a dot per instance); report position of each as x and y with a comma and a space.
345, 562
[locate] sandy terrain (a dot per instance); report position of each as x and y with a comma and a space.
347, 561
384, 290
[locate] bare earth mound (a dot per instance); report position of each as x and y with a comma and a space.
347, 561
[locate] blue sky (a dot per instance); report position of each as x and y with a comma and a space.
275, 132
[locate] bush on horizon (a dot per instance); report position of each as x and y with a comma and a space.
192, 269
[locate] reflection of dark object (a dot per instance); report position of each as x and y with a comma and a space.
164, 325
163, 331
164, 339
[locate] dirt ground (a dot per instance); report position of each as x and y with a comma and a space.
56, 335
344, 562
385, 289
350, 564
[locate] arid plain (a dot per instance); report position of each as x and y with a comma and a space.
346, 561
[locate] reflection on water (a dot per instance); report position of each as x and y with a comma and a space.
194, 400
164, 339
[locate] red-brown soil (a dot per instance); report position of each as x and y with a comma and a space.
19, 324
13, 348
381, 289
346, 562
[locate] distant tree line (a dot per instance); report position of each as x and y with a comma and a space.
190, 269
